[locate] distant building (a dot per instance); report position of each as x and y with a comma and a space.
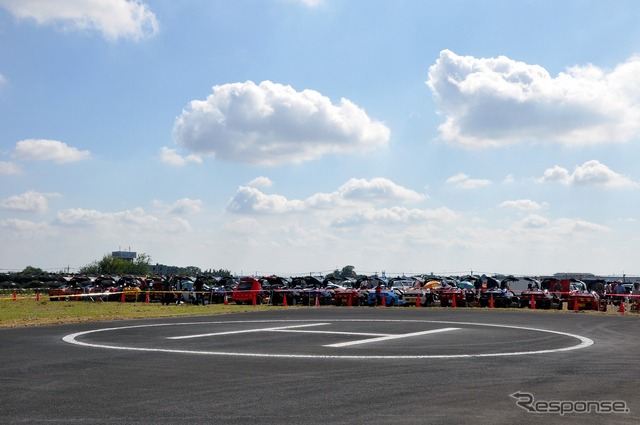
124, 255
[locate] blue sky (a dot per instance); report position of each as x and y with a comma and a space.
295, 137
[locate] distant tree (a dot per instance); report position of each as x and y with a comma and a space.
348, 272
220, 273
111, 266
32, 271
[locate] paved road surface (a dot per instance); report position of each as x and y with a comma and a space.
324, 365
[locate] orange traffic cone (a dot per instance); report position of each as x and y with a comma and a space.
226, 299
575, 305
418, 301
532, 305
317, 300
284, 299
122, 297
254, 301
384, 301
37, 296
454, 303
147, 299
491, 304
621, 305
350, 300
15, 295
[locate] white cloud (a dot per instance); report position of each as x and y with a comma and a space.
521, 204
463, 181
186, 206
250, 200
135, 219
260, 182
48, 150
354, 191
396, 215
112, 18
591, 173
19, 229
172, 157
499, 101
9, 168
28, 201
272, 124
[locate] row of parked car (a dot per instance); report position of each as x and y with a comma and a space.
424, 291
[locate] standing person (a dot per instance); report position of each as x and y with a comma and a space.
199, 286
166, 290
635, 296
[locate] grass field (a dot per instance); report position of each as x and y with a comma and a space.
28, 312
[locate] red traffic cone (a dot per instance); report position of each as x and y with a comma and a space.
532, 305
15, 295
122, 297
384, 301
284, 299
622, 305
418, 301
317, 300
454, 303
37, 296
575, 305
147, 299
491, 304
350, 300
226, 299
254, 300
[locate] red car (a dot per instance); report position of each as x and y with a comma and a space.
248, 290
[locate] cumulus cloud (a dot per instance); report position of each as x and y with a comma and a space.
377, 190
396, 215
18, 228
272, 124
113, 19
186, 206
48, 150
500, 101
172, 157
463, 181
29, 201
260, 182
521, 204
590, 174
9, 168
135, 219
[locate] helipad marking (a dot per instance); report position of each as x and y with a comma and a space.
388, 337
246, 331
584, 341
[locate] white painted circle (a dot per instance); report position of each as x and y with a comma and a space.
583, 341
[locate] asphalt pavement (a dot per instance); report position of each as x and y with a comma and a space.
321, 365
